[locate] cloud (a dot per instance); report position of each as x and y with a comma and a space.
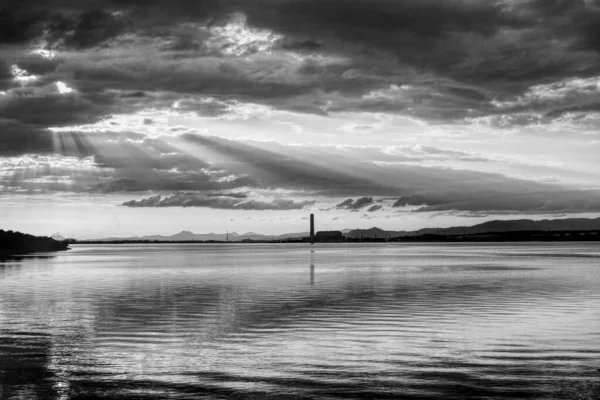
344, 204
92, 28
458, 61
126, 162
494, 200
35, 173
17, 138
234, 195
276, 204
357, 204
221, 202
231, 171
54, 109
273, 165
19, 25
104, 79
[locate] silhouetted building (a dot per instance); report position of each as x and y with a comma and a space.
312, 228
329, 236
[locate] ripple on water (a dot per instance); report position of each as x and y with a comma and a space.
365, 321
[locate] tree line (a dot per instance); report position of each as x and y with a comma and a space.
21, 243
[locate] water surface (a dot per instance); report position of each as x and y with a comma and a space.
377, 321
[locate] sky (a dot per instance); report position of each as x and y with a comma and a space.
123, 117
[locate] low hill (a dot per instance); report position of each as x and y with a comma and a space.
519, 225
190, 236
374, 233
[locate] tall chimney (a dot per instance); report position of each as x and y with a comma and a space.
312, 228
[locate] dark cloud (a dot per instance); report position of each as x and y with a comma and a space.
19, 25
204, 108
191, 200
138, 94
375, 208
400, 203
541, 203
497, 201
34, 64
470, 43
16, 139
344, 204
234, 195
357, 204
307, 45
501, 63
94, 27
5, 75
436, 60
54, 109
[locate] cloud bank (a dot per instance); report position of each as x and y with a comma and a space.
436, 60
221, 202
105, 82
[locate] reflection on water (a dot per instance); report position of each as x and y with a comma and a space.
312, 267
241, 321
5, 258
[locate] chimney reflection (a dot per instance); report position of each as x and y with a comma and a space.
312, 267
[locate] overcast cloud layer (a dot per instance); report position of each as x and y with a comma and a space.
174, 103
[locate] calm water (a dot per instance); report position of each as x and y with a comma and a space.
376, 321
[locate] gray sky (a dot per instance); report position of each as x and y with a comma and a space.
143, 117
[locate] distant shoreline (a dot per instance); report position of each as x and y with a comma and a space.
511, 236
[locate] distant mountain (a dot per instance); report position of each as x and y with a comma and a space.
189, 236
567, 224
58, 236
372, 233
